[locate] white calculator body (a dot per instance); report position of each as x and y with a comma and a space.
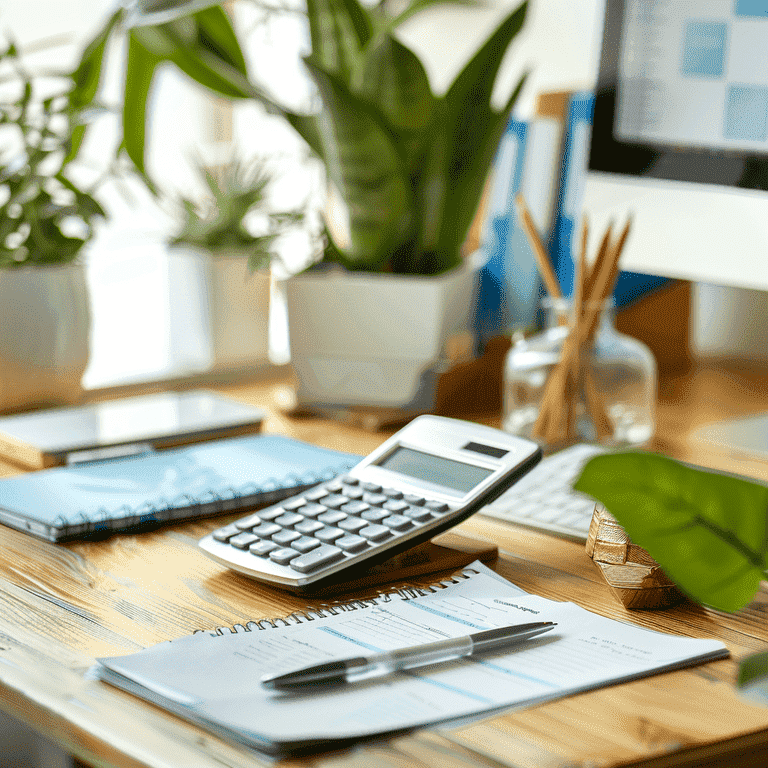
429, 476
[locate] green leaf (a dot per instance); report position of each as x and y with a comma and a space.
339, 29
139, 71
419, 5
708, 531
216, 34
466, 133
363, 161
87, 74
394, 79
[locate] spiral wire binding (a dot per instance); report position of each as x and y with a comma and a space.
323, 611
210, 501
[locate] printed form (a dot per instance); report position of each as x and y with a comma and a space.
217, 677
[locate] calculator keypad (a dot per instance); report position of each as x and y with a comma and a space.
339, 519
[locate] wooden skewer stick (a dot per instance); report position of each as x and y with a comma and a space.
572, 376
545, 266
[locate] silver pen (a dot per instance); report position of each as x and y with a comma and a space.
360, 668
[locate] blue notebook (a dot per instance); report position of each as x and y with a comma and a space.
99, 498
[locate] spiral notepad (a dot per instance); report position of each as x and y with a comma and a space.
204, 479
212, 679
334, 608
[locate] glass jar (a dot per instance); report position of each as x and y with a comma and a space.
623, 370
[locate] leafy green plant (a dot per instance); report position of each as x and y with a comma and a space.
45, 218
707, 530
409, 165
220, 225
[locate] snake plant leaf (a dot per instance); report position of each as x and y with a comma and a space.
708, 531
393, 78
362, 160
467, 134
339, 29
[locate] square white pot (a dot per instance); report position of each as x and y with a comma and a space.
234, 306
373, 339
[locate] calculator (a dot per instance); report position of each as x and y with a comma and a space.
426, 478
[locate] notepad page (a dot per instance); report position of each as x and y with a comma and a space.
217, 677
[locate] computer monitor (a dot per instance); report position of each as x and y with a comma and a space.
680, 141
680, 137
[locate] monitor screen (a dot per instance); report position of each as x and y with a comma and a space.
683, 91
680, 137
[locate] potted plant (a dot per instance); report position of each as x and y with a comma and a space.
707, 530
407, 166
45, 222
230, 236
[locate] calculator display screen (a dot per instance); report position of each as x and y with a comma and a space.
435, 469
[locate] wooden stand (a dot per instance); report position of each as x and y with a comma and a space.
446, 552
634, 575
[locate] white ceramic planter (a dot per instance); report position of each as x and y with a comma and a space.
234, 306
44, 335
374, 339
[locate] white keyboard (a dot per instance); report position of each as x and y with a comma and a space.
544, 499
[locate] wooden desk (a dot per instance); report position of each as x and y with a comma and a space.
62, 606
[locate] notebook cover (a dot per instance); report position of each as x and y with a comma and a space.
198, 480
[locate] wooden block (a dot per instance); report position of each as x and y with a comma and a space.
635, 577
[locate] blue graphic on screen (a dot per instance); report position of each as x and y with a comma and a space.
752, 8
704, 48
746, 113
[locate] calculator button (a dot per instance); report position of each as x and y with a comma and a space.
283, 556
411, 499
375, 514
289, 519
323, 555
293, 504
372, 487
305, 544
353, 524
355, 507
397, 522
329, 534
265, 530
243, 540
335, 501
437, 506
248, 522
351, 543
353, 493
419, 514
286, 537
333, 517
392, 493
349, 480
226, 533
262, 548
266, 515
313, 510
374, 498
308, 526
375, 532
395, 506
316, 494
333, 487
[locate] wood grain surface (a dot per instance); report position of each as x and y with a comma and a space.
62, 606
